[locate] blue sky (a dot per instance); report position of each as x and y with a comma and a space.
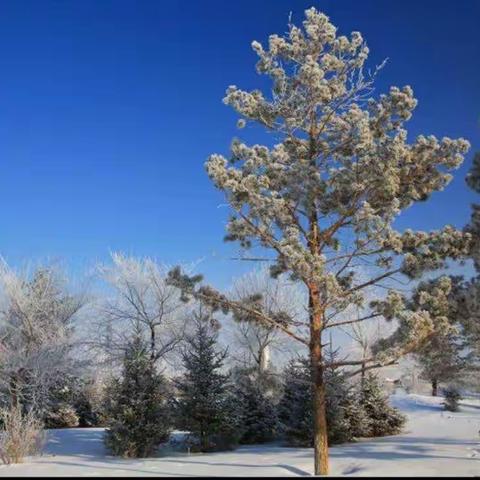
109, 108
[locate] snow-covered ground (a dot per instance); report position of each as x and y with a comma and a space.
435, 442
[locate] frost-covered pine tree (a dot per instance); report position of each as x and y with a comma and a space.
473, 182
442, 356
324, 197
137, 406
206, 406
471, 305
383, 418
442, 359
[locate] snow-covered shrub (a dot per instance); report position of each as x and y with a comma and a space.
452, 398
22, 435
205, 404
257, 410
383, 418
137, 406
64, 416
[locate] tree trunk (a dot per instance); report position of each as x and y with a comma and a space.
263, 359
320, 439
152, 343
14, 400
434, 388
16, 383
316, 312
362, 382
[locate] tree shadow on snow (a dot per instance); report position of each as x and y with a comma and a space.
87, 445
75, 441
411, 449
117, 468
290, 468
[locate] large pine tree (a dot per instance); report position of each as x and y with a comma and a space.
323, 199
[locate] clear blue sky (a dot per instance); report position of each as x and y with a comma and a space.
109, 108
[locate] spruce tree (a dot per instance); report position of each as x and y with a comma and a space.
88, 404
206, 406
452, 399
137, 409
356, 417
346, 418
59, 402
383, 418
257, 409
295, 409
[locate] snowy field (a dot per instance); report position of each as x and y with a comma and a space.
435, 442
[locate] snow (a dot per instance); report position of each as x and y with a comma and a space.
435, 442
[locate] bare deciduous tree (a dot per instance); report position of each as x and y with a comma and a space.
142, 303
255, 341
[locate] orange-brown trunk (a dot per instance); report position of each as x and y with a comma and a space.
320, 439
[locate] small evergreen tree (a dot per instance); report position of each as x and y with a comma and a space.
137, 409
206, 406
356, 417
69, 403
58, 405
346, 417
384, 419
452, 398
88, 404
257, 410
295, 410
